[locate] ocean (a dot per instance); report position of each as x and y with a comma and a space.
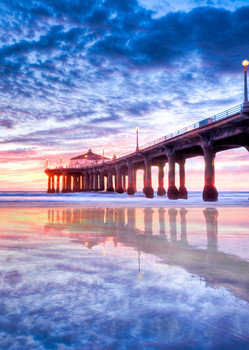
95, 198
111, 271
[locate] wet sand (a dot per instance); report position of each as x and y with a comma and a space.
76, 277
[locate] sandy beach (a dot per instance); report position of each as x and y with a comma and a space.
96, 271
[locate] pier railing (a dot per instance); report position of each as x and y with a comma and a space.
210, 120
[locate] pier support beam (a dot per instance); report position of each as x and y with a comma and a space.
68, 183
148, 190
57, 183
172, 191
86, 181
110, 187
53, 188
96, 182
131, 187
115, 182
78, 183
90, 185
101, 181
63, 184
74, 183
82, 178
119, 188
210, 192
161, 190
183, 193
124, 181
135, 178
49, 184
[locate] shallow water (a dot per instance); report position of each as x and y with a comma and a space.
124, 278
110, 199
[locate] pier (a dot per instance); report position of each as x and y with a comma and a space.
220, 132
207, 137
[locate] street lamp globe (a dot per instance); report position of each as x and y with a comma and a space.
245, 63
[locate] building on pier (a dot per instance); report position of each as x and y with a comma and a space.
87, 159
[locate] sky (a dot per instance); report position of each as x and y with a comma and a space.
84, 74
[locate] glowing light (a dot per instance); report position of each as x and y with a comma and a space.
245, 63
86, 244
86, 155
137, 128
140, 275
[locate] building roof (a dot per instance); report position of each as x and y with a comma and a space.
89, 155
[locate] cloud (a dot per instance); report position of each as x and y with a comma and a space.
82, 70
18, 154
128, 34
6, 123
217, 35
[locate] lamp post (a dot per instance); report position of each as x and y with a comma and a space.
103, 159
245, 63
137, 148
46, 164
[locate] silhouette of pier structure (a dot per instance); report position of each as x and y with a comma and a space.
224, 131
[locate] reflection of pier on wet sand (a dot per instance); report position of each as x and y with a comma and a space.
91, 226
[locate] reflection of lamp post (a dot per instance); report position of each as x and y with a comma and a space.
245, 104
103, 159
139, 265
137, 148
104, 251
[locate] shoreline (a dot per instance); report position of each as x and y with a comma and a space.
175, 204
104, 199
